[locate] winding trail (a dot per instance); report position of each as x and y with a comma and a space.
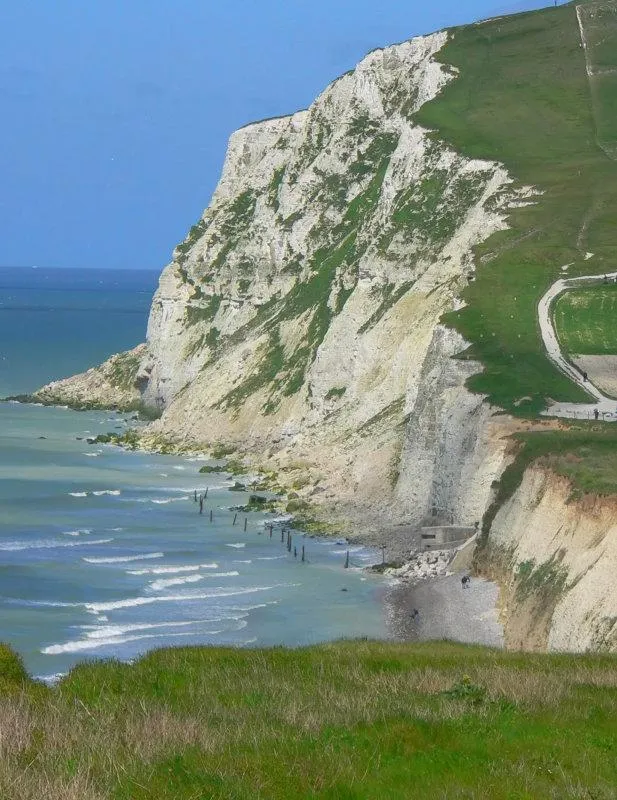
606, 406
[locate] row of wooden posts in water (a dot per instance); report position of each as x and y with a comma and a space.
287, 541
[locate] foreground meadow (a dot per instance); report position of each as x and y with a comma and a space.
346, 720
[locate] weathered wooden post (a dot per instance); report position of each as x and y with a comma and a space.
303, 559
206, 494
282, 535
195, 495
245, 521
383, 554
347, 560
211, 515
235, 518
295, 552
270, 531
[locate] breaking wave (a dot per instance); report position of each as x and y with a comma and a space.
41, 544
172, 570
121, 559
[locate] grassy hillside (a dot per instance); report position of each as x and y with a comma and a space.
586, 320
342, 721
523, 97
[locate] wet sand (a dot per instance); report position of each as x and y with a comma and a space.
446, 611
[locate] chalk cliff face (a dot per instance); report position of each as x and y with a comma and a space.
300, 317
557, 559
299, 320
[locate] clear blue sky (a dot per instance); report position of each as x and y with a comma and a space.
115, 113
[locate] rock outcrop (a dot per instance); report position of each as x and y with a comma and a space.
112, 385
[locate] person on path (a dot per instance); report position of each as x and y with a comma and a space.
584, 376
596, 413
465, 580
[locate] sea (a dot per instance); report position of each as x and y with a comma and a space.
103, 552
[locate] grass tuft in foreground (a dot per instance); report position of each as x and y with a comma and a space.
347, 720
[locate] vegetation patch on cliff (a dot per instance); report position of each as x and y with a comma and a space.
354, 720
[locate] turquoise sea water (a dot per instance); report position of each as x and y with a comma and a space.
103, 552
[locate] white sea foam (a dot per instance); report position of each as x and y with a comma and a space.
115, 529
166, 500
78, 494
105, 631
114, 635
172, 570
219, 591
91, 455
114, 492
52, 679
92, 644
270, 558
78, 532
165, 583
239, 545
121, 559
179, 467
40, 544
247, 561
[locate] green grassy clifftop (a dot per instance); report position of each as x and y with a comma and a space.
524, 97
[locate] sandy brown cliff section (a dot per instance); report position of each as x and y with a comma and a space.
555, 557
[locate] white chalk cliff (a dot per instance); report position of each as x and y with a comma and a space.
300, 319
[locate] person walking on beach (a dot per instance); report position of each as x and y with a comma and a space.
596, 413
584, 376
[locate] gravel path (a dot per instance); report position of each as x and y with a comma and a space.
446, 611
606, 406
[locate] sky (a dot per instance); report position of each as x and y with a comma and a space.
116, 113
